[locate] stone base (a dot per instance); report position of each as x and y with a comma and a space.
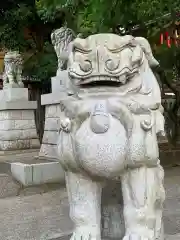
37, 173
18, 130
19, 144
17, 123
13, 85
52, 115
13, 94
51, 128
58, 83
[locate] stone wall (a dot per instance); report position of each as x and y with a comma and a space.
51, 102
51, 128
17, 130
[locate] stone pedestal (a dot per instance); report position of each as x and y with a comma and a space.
17, 124
52, 116
52, 110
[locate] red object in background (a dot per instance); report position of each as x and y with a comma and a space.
169, 41
175, 42
167, 38
161, 38
175, 38
166, 34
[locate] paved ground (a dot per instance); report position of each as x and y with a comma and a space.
172, 203
27, 218
15, 156
30, 217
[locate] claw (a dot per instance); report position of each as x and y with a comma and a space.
135, 237
83, 236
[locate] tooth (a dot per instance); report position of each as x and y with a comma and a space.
122, 78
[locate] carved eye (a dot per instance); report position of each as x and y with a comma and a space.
81, 45
111, 65
86, 66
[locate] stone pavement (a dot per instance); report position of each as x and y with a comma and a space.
172, 203
28, 218
33, 216
15, 156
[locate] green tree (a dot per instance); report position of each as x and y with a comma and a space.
91, 16
22, 29
150, 17
40, 17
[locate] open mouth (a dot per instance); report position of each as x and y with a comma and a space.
100, 84
92, 80
100, 81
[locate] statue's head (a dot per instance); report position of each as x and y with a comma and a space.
105, 59
13, 57
61, 38
108, 60
62, 35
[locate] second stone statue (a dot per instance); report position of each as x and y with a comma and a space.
12, 77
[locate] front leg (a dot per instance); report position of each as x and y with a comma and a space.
143, 196
85, 206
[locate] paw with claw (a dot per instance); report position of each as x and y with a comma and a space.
85, 233
135, 237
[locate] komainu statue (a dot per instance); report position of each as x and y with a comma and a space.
60, 39
109, 128
12, 76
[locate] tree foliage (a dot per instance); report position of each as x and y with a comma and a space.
40, 17
25, 25
103, 15
22, 29
152, 17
